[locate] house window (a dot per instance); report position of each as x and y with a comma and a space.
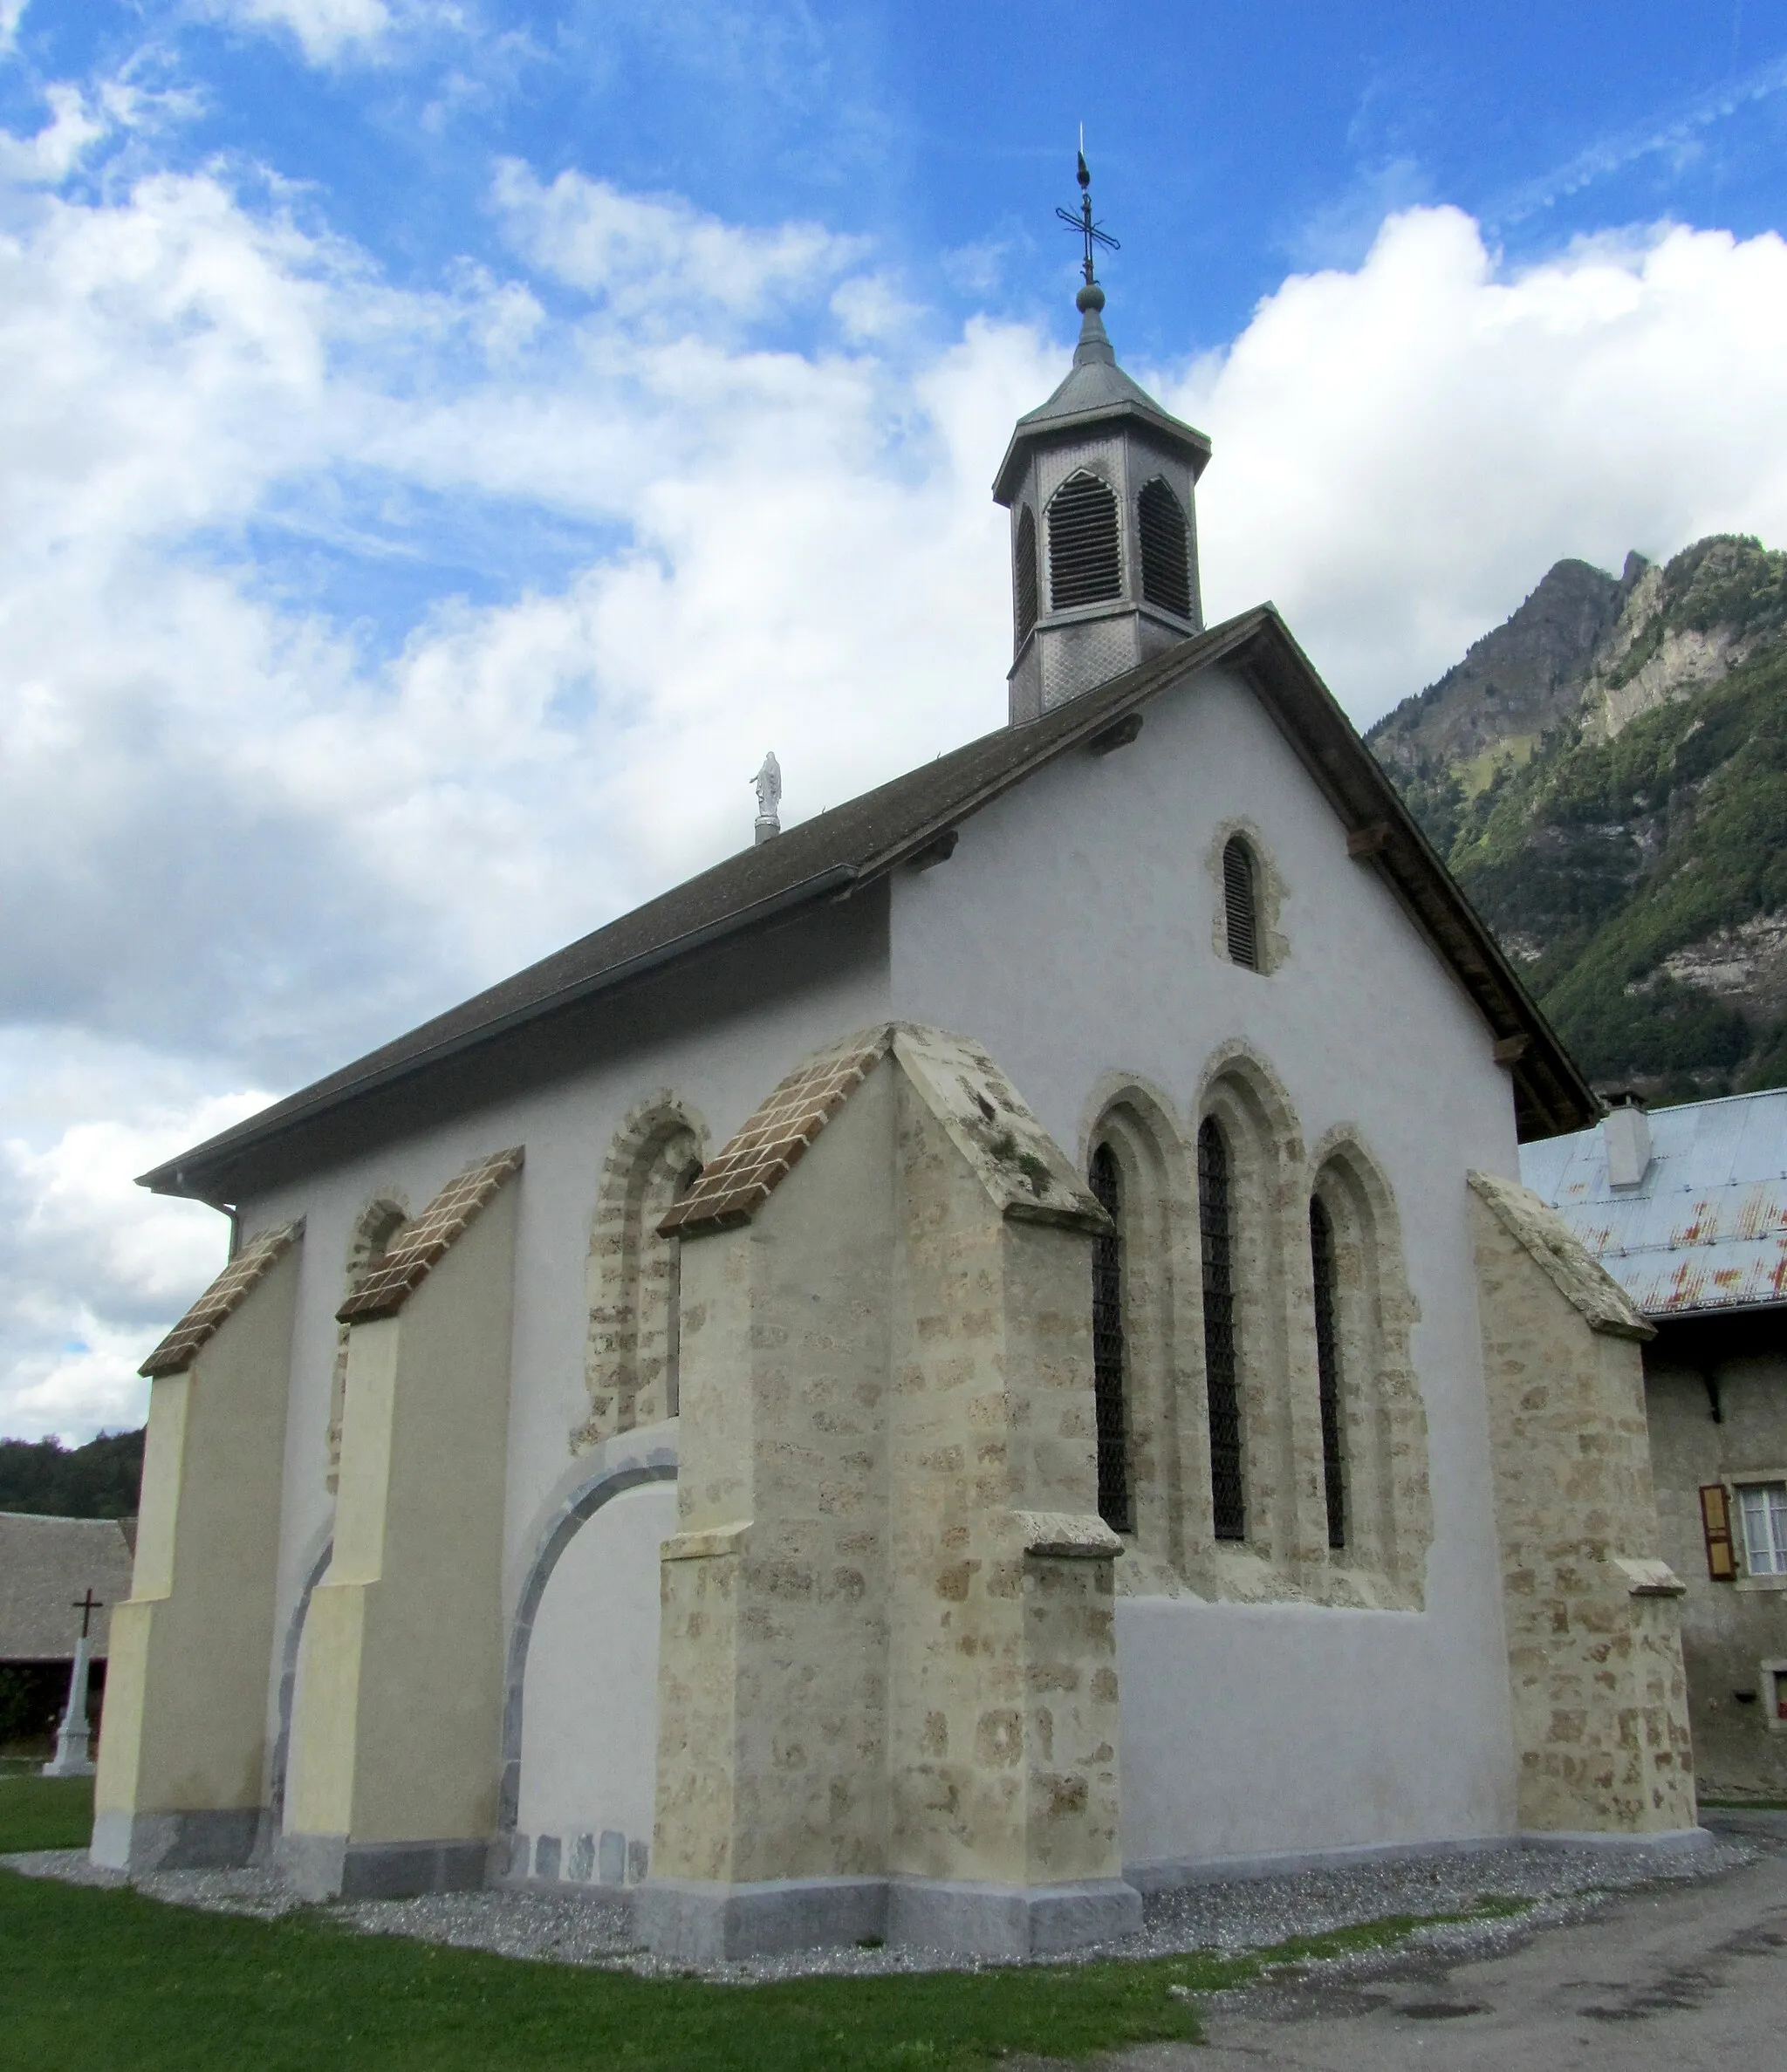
1085, 564
1026, 572
1240, 904
1222, 1376
1108, 1382
1165, 550
1321, 1246
1761, 1506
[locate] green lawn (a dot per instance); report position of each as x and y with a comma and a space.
108, 1979
45, 1812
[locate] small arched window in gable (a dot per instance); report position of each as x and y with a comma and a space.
1221, 1364
1321, 1248
1241, 903
1109, 1381
1024, 575
1085, 563
1165, 550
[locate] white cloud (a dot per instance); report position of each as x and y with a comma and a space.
243, 835
1401, 451
325, 29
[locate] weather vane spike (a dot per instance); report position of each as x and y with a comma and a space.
1081, 219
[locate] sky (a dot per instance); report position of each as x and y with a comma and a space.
444, 444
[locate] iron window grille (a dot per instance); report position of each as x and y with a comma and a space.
1321, 1249
1026, 573
1239, 905
1108, 1377
1222, 1377
1085, 562
1165, 548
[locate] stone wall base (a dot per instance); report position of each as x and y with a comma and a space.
203, 1840
709, 1924
331, 1867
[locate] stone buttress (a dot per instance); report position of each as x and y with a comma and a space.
393, 1776
888, 1670
179, 1767
1594, 1645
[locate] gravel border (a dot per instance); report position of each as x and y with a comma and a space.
595, 1929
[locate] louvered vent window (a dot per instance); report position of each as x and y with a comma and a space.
1222, 1374
1321, 1248
1107, 1348
1165, 550
1239, 904
1025, 574
1085, 566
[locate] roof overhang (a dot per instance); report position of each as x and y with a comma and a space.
1073, 424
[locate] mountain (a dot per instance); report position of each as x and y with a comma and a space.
1606, 774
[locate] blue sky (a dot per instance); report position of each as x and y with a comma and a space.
443, 443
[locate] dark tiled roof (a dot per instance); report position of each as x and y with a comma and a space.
221, 1299
421, 1245
854, 845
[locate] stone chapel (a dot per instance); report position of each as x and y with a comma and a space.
983, 1357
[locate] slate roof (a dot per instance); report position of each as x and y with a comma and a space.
46, 1565
856, 844
1705, 1230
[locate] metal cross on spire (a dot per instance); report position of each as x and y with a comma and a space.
1082, 221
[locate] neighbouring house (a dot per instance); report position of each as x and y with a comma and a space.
1687, 1208
47, 1566
983, 1356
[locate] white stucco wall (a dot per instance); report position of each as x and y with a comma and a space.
590, 1713
720, 1039
1073, 933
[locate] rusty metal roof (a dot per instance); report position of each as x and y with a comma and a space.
1706, 1228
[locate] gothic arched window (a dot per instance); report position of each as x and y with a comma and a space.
1221, 1367
1085, 563
1321, 1251
1024, 571
1165, 548
1109, 1383
1240, 904
673, 1322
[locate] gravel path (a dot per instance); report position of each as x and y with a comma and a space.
596, 1928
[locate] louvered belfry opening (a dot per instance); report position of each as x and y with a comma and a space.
1222, 1375
1165, 550
1238, 901
1024, 573
1321, 1250
1085, 562
1108, 1380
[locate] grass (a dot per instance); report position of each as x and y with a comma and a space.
44, 1812
93, 1980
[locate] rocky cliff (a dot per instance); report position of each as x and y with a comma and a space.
1606, 774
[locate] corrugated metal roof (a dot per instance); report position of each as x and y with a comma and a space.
1706, 1228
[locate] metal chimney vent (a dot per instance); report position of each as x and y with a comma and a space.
1085, 564
1165, 550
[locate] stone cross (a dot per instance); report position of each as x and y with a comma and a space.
71, 1759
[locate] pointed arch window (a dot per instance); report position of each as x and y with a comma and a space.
1109, 1381
372, 1233
1321, 1248
1221, 1367
1241, 904
1024, 575
1085, 562
1165, 548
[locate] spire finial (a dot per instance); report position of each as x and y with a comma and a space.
1081, 221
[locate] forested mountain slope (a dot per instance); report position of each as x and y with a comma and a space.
1606, 774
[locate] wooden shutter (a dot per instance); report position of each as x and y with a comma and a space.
1715, 1523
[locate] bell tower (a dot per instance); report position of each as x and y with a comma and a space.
1100, 482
